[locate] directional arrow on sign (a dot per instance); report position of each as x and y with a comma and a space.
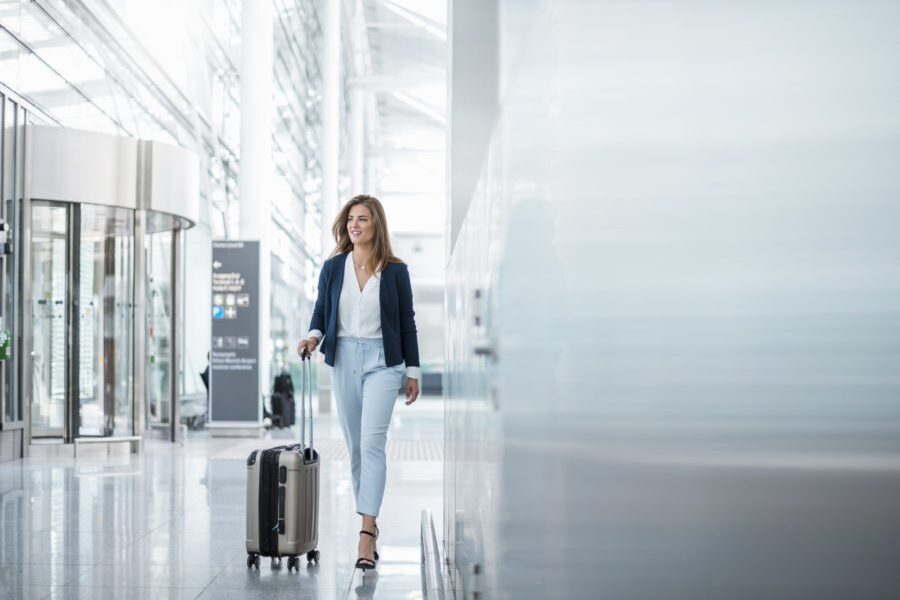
216, 264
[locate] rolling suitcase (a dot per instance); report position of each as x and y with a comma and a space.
283, 495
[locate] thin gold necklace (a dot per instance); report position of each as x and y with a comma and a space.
359, 266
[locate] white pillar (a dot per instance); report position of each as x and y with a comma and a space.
358, 101
370, 170
257, 115
331, 116
331, 136
473, 97
357, 142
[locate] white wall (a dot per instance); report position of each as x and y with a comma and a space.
472, 92
423, 255
685, 234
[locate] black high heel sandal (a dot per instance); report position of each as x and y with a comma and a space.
366, 563
375, 549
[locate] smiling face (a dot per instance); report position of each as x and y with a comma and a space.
359, 225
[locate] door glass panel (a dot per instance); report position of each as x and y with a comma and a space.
159, 323
105, 319
48, 320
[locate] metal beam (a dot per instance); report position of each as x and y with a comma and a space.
423, 107
66, 96
418, 20
389, 83
385, 25
391, 151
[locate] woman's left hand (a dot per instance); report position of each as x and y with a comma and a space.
412, 390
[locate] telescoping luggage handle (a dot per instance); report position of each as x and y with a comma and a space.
306, 391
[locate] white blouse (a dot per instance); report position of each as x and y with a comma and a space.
359, 311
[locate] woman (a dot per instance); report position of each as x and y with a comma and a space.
365, 309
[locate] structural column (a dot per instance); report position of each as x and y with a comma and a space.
256, 173
473, 98
357, 141
358, 102
331, 116
331, 136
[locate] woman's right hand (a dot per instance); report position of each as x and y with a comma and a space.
308, 344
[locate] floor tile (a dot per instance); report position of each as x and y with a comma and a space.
170, 523
31, 592
149, 575
293, 594
89, 592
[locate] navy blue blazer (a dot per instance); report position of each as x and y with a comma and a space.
398, 324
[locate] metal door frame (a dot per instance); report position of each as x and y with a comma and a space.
70, 333
175, 330
24, 247
138, 324
173, 431
73, 324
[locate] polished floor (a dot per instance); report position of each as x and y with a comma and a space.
170, 523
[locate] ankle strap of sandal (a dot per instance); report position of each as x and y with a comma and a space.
367, 532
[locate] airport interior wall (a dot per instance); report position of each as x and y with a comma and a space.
673, 305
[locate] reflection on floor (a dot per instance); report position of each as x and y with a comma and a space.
170, 523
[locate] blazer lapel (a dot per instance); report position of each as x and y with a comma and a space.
337, 284
382, 291
335, 287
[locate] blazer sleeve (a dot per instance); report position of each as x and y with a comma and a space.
317, 323
409, 342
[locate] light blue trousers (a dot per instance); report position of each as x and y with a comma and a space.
366, 391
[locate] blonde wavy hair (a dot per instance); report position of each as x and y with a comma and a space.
381, 244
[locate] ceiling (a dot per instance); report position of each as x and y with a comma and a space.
404, 75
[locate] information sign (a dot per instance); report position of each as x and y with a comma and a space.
234, 355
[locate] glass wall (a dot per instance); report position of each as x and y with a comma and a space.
168, 71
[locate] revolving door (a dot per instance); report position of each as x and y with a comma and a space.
82, 302
102, 285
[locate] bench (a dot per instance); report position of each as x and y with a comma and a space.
134, 440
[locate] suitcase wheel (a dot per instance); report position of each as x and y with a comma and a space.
312, 556
293, 564
253, 561
276, 562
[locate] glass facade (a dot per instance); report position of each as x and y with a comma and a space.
167, 71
